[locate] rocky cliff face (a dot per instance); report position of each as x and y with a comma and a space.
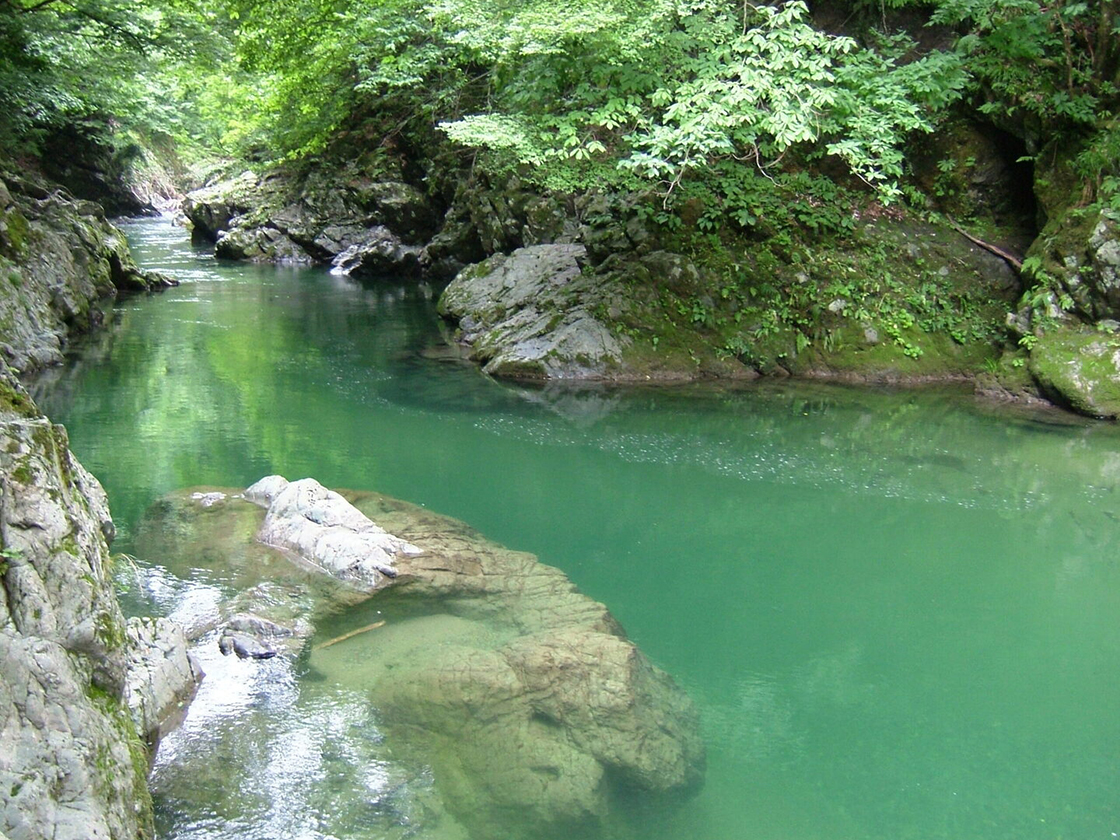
84, 696
58, 257
71, 764
78, 685
551, 286
348, 218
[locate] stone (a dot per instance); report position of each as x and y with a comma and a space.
71, 764
1079, 367
213, 208
524, 697
244, 645
1104, 256
325, 530
162, 676
58, 259
252, 636
379, 252
523, 316
304, 217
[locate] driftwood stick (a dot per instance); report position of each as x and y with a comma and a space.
1013, 260
349, 635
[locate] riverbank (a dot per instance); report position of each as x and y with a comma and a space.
774, 545
592, 287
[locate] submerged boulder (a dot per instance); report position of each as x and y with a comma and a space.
524, 696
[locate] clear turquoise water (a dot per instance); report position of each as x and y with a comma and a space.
898, 612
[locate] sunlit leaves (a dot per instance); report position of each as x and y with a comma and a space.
704, 81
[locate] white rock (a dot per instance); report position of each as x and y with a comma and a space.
323, 529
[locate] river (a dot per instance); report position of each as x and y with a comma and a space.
898, 612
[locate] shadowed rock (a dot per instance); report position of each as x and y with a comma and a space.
529, 315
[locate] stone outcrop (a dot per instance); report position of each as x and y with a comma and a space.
379, 251
58, 258
530, 315
71, 764
1071, 315
290, 218
162, 676
524, 696
588, 287
1079, 367
78, 686
322, 528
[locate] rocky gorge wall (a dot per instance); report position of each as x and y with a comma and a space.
59, 256
551, 286
83, 693
578, 287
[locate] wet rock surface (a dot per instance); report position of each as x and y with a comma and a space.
163, 676
289, 218
523, 696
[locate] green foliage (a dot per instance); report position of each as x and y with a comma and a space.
1044, 66
1099, 165
671, 92
95, 64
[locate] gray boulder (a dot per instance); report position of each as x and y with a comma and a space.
311, 217
529, 315
260, 244
213, 208
1079, 367
1104, 256
162, 676
379, 252
323, 529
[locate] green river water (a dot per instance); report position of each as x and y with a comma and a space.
898, 612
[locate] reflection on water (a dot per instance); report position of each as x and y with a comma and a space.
896, 611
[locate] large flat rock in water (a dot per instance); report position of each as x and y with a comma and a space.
524, 696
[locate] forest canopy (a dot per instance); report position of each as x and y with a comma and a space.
593, 92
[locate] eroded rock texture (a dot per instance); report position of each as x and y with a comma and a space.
58, 258
531, 315
75, 680
71, 765
524, 696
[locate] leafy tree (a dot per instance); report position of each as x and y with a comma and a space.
94, 63
665, 89
1041, 67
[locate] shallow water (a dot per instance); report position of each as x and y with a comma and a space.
898, 612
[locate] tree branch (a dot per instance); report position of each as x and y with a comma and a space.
1010, 258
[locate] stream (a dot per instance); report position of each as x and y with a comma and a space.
898, 612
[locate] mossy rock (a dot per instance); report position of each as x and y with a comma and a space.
14, 231
1079, 368
911, 357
